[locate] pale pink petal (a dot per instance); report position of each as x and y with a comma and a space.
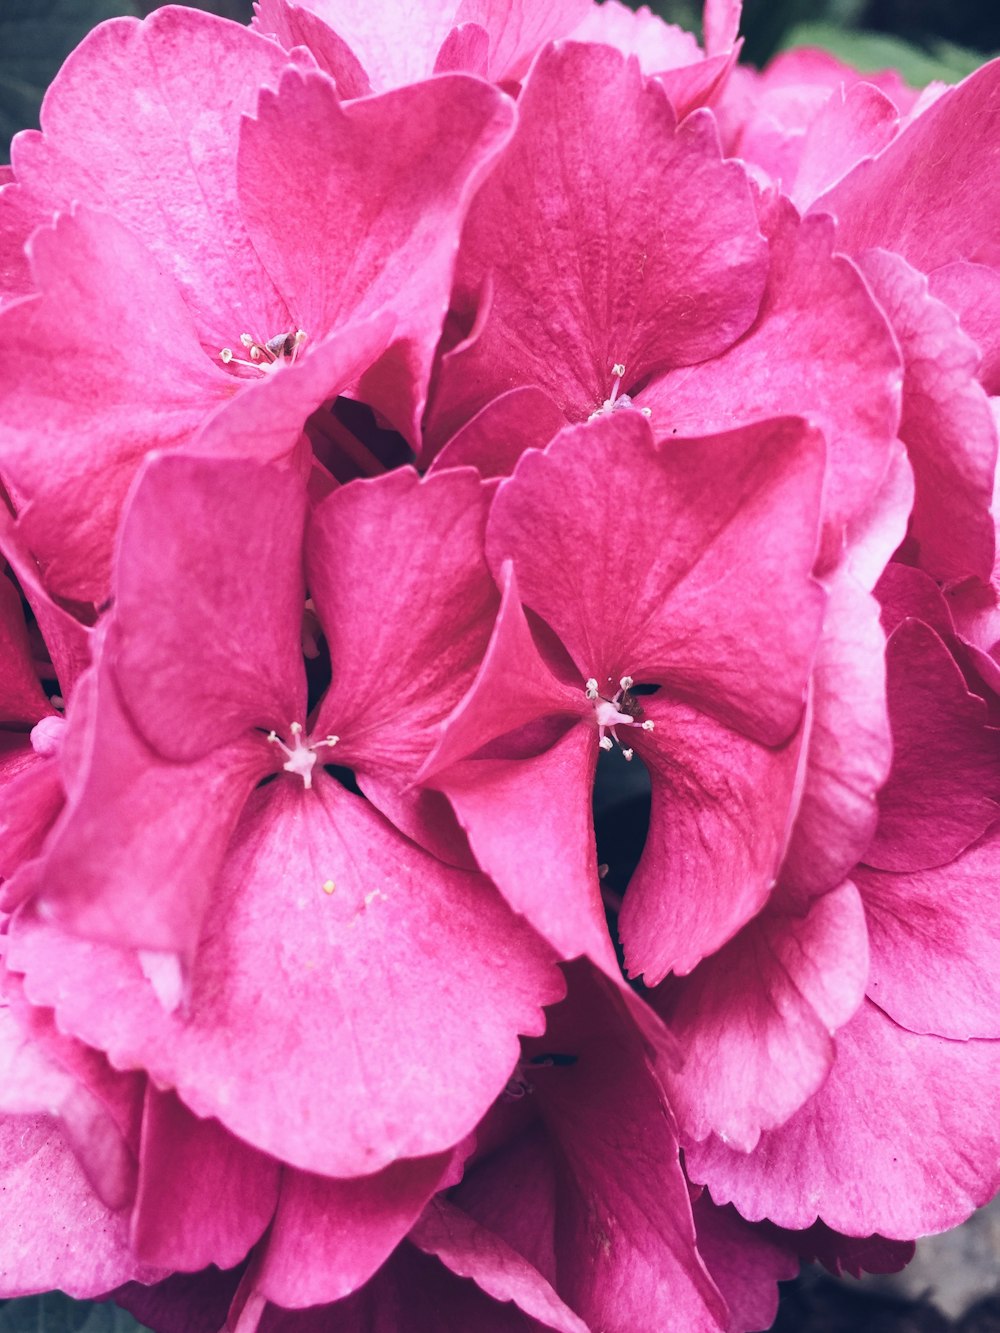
944, 788
930, 195
641, 33
722, 807
329, 1236
817, 332
934, 939
143, 122
755, 1021
672, 274
60, 1235
678, 544
365, 915
903, 1139
871, 538
721, 22
849, 744
407, 616
517, 28
378, 189
947, 425
204, 1197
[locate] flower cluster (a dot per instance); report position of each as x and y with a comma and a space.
416, 419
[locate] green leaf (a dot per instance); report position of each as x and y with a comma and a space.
872, 51
36, 36
56, 1313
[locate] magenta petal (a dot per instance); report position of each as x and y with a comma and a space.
364, 913
22, 698
134, 855
93, 274
817, 332
855, 122
973, 292
944, 788
849, 744
693, 530
472, 1251
947, 424
329, 1236
930, 196
209, 599
407, 617
498, 435
671, 275
935, 936
33, 796
531, 829
873, 536
514, 687
746, 1262
297, 25
756, 1020
903, 1139
143, 122
204, 1197
60, 1236
401, 169
721, 812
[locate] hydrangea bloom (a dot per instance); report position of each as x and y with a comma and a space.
500, 677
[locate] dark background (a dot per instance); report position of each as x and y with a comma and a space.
925, 39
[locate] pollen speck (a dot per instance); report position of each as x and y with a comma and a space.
328, 886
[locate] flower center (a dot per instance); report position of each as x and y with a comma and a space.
623, 709
300, 755
617, 400
265, 357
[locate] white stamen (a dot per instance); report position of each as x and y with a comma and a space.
265, 357
590, 689
606, 743
626, 682
301, 756
628, 754
649, 724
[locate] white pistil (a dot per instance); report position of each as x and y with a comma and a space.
301, 757
266, 357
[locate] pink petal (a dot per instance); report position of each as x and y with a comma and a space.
60, 1236
929, 196
854, 123
297, 25
849, 745
518, 28
973, 292
143, 122
755, 1020
746, 1263
722, 807
796, 359
209, 597
470, 1250
947, 424
363, 913
721, 21
934, 938
204, 1197
531, 829
691, 527
134, 855
402, 168
499, 433
871, 539
670, 276
407, 616
906, 592
95, 276
848, 1254
33, 796
658, 45
902, 1139
329, 1236
944, 787
22, 698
